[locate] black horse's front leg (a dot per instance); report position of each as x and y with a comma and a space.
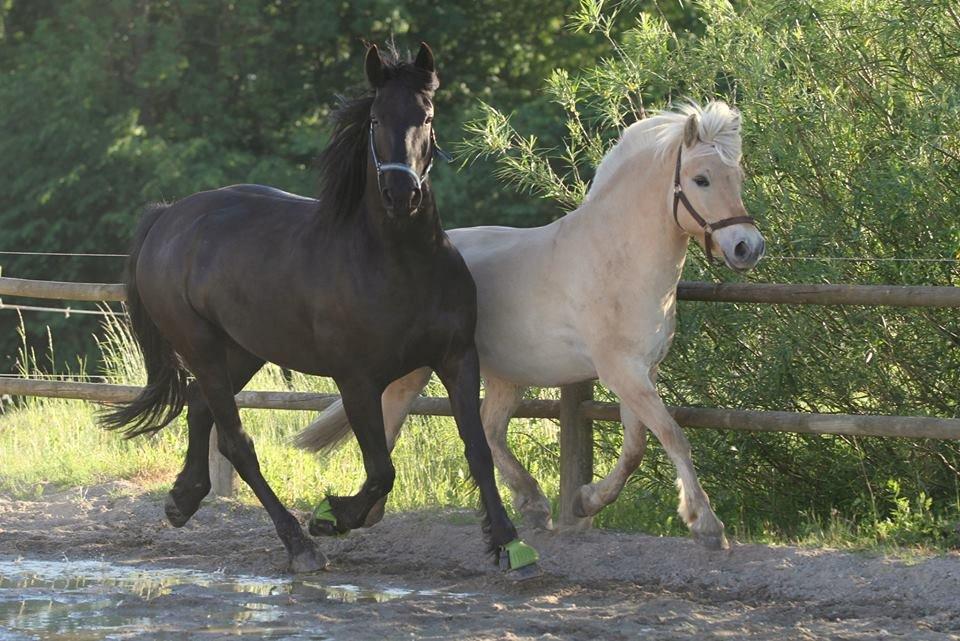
460, 374
339, 514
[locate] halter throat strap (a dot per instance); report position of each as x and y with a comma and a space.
707, 227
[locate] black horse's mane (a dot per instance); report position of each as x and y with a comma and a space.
343, 163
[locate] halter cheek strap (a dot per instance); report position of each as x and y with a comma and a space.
708, 228
418, 179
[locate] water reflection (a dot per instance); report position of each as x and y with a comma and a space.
79, 600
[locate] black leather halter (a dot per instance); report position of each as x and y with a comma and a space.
708, 228
399, 166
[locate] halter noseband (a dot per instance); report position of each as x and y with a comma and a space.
399, 166
708, 228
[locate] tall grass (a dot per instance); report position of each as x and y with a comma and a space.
53, 443
47, 444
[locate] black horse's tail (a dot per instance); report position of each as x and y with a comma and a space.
162, 399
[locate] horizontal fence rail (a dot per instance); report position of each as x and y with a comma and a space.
695, 417
821, 294
51, 289
575, 410
771, 293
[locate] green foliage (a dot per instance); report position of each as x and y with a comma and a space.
852, 140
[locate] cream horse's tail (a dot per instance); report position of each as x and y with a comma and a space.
327, 432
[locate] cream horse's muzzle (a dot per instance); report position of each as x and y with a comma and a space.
742, 246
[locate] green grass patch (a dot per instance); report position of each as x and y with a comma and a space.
51, 443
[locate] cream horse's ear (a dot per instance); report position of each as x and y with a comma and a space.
691, 130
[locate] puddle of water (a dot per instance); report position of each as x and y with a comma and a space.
79, 600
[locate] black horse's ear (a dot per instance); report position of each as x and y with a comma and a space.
425, 58
691, 130
374, 67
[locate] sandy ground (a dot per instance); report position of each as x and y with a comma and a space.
597, 584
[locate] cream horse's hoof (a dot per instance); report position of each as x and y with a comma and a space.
710, 536
583, 507
538, 519
712, 542
536, 512
376, 513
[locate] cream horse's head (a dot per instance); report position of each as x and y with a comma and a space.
708, 180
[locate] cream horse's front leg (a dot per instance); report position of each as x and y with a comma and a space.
631, 381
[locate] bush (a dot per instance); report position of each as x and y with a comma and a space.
852, 141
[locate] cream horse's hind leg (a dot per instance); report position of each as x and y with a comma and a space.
396, 402
630, 380
500, 402
593, 497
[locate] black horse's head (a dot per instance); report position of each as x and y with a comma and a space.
401, 128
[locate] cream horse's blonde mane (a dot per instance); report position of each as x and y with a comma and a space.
719, 128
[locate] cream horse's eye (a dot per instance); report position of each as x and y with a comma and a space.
701, 181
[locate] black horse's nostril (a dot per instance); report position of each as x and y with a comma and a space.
741, 250
417, 199
387, 198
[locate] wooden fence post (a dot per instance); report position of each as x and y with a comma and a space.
576, 450
222, 476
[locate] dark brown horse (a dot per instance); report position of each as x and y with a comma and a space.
361, 285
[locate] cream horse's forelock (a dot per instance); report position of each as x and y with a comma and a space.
719, 129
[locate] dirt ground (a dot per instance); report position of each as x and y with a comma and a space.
597, 584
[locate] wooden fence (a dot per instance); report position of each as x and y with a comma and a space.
576, 409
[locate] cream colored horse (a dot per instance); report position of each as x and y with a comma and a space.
593, 295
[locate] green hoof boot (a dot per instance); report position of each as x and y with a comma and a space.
323, 522
519, 561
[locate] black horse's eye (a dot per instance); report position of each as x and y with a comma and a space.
374, 121
428, 120
701, 181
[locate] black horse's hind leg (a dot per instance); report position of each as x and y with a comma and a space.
461, 377
193, 483
206, 356
362, 404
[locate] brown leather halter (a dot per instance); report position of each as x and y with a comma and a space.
708, 228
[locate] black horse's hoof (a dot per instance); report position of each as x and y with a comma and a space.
324, 523
519, 561
526, 573
318, 527
176, 516
310, 559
